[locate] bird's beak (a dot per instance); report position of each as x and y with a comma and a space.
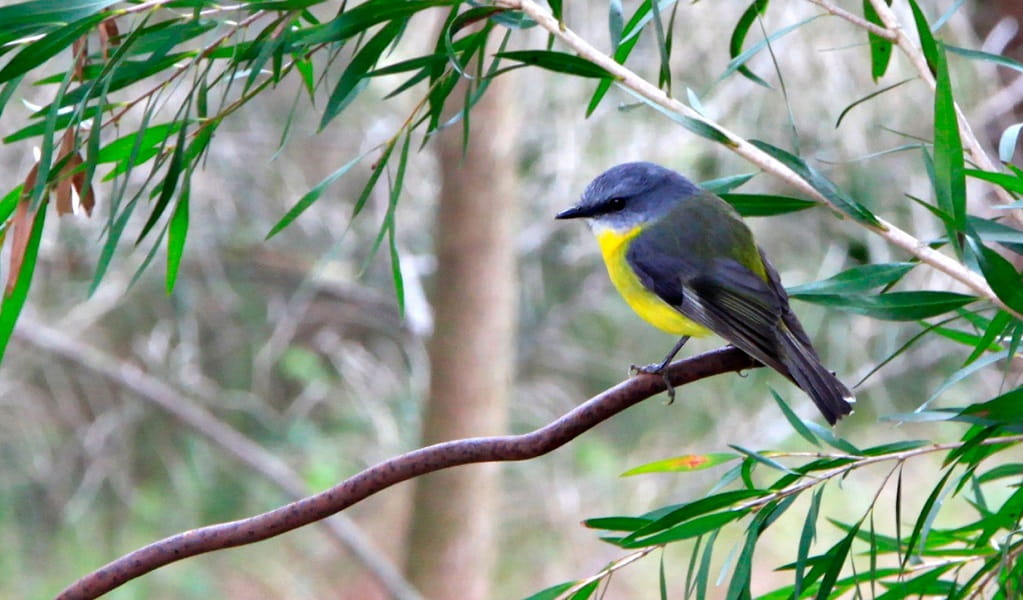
572, 213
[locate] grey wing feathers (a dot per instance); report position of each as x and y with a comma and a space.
726, 297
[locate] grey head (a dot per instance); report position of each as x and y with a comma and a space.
630, 194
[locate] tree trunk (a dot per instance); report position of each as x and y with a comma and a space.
452, 546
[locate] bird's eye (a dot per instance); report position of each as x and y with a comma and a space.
615, 204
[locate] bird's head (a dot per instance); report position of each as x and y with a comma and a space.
630, 195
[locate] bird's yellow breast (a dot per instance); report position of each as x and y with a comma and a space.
657, 312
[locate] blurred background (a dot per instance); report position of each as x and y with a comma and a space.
122, 411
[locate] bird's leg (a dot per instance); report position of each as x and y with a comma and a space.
660, 368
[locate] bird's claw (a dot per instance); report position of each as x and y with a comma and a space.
655, 369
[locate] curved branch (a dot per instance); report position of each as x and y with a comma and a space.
401, 468
180, 406
741, 146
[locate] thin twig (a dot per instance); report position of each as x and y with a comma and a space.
609, 570
855, 19
864, 461
631, 81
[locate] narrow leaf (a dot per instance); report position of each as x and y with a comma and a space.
949, 167
893, 306
686, 463
766, 205
558, 62
794, 420
858, 279
754, 11
927, 43
176, 236
825, 187
14, 299
348, 85
312, 196
880, 48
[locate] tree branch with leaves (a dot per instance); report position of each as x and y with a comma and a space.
136, 94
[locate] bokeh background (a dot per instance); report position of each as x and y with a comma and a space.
297, 342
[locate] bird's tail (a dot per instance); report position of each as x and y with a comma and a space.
804, 366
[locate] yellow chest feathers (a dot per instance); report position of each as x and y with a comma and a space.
614, 245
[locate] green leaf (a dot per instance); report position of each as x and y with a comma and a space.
927, 514
693, 509
22, 16
616, 523
993, 331
1012, 470
687, 530
725, 185
794, 420
147, 137
615, 22
554, 592
927, 43
870, 96
835, 561
763, 459
738, 587
806, 538
1000, 274
1006, 143
766, 205
1006, 409
701, 128
559, 62
826, 188
755, 10
168, 185
585, 591
856, 279
998, 59
10, 202
176, 236
312, 196
739, 61
1012, 183
829, 438
396, 276
901, 349
360, 19
893, 306
13, 302
47, 47
686, 463
630, 37
949, 168
388, 225
348, 86
880, 48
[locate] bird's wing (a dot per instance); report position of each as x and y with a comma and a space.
719, 293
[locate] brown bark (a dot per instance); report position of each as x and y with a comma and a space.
452, 546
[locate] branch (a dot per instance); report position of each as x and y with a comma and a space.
246, 451
401, 468
855, 20
633, 82
919, 61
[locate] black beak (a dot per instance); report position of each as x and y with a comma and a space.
572, 213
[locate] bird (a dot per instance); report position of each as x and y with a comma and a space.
685, 261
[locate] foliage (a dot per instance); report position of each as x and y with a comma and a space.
138, 91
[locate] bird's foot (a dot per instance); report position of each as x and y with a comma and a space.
655, 369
